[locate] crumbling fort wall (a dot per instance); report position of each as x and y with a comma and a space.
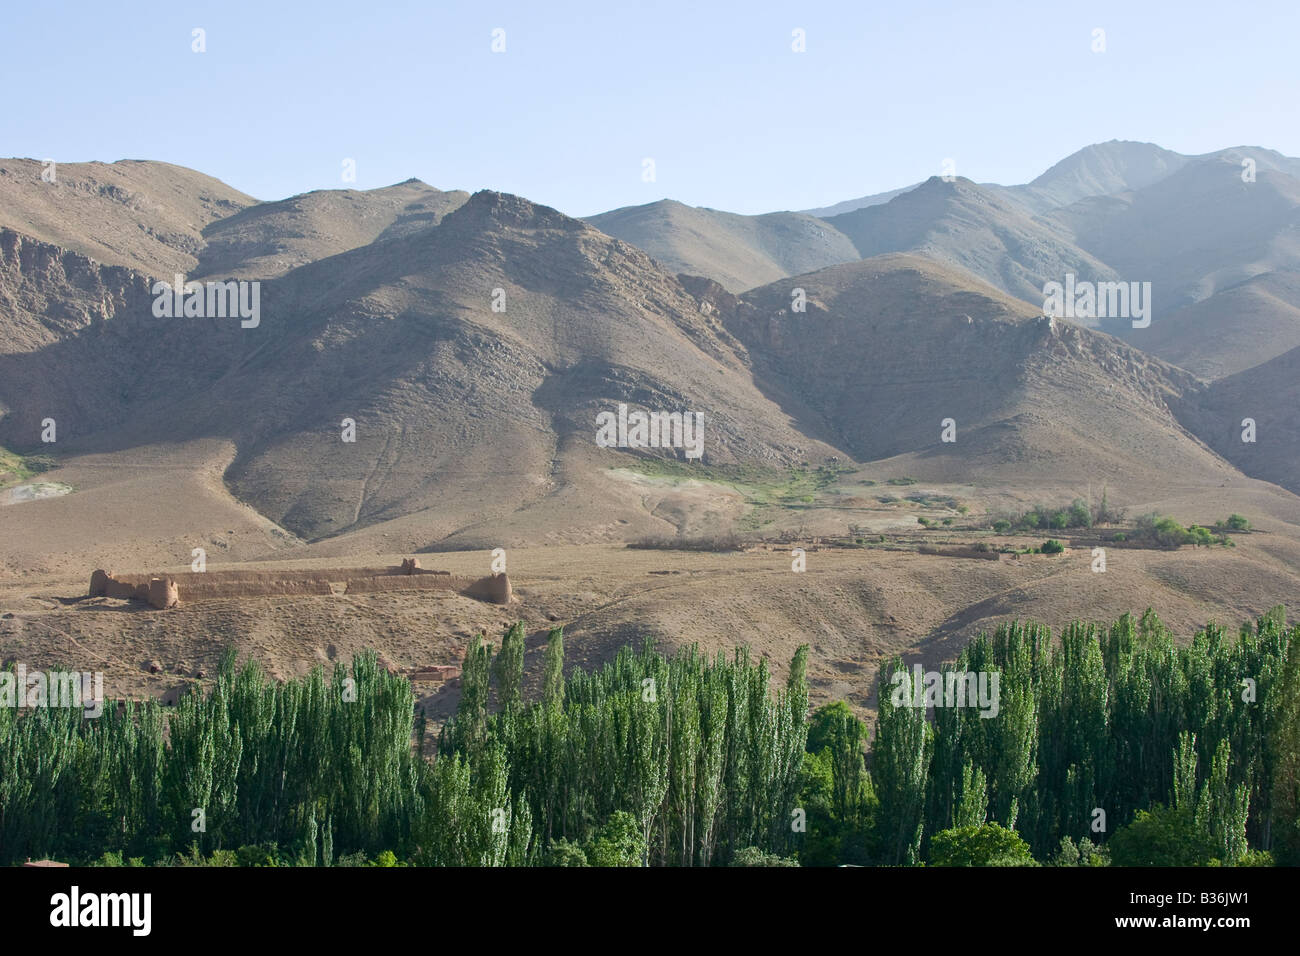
166, 592
157, 592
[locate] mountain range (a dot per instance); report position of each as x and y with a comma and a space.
428, 366
380, 307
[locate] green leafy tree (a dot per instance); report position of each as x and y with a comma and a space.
753, 856
1083, 853
564, 853
900, 764
618, 843
1283, 751
509, 666
988, 844
1162, 836
553, 669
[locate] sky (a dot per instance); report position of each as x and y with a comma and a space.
584, 93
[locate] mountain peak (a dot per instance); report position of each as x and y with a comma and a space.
1104, 169
511, 211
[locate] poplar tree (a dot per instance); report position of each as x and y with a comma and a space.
900, 762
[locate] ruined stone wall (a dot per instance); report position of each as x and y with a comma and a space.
161, 593
214, 585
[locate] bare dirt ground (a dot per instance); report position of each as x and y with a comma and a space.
853, 605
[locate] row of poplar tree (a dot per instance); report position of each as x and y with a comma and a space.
1093, 729
645, 760
676, 761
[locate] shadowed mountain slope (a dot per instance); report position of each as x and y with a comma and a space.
1269, 394
1195, 232
891, 347
1235, 329
402, 337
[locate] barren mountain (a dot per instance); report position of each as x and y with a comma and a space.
269, 239
1102, 169
447, 392
1268, 394
1234, 329
1195, 232
962, 224
849, 205
891, 347
472, 342
146, 216
738, 252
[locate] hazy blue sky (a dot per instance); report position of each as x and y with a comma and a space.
733, 118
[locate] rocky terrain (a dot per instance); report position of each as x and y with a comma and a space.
425, 377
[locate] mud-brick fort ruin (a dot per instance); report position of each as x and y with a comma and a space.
167, 591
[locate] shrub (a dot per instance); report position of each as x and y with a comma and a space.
989, 844
564, 853
1052, 546
753, 856
1105, 514
1164, 531
1084, 853
1161, 837
618, 843
1256, 858
261, 855
1170, 534
1002, 526
1237, 522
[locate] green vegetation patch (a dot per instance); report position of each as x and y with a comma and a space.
764, 489
16, 469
